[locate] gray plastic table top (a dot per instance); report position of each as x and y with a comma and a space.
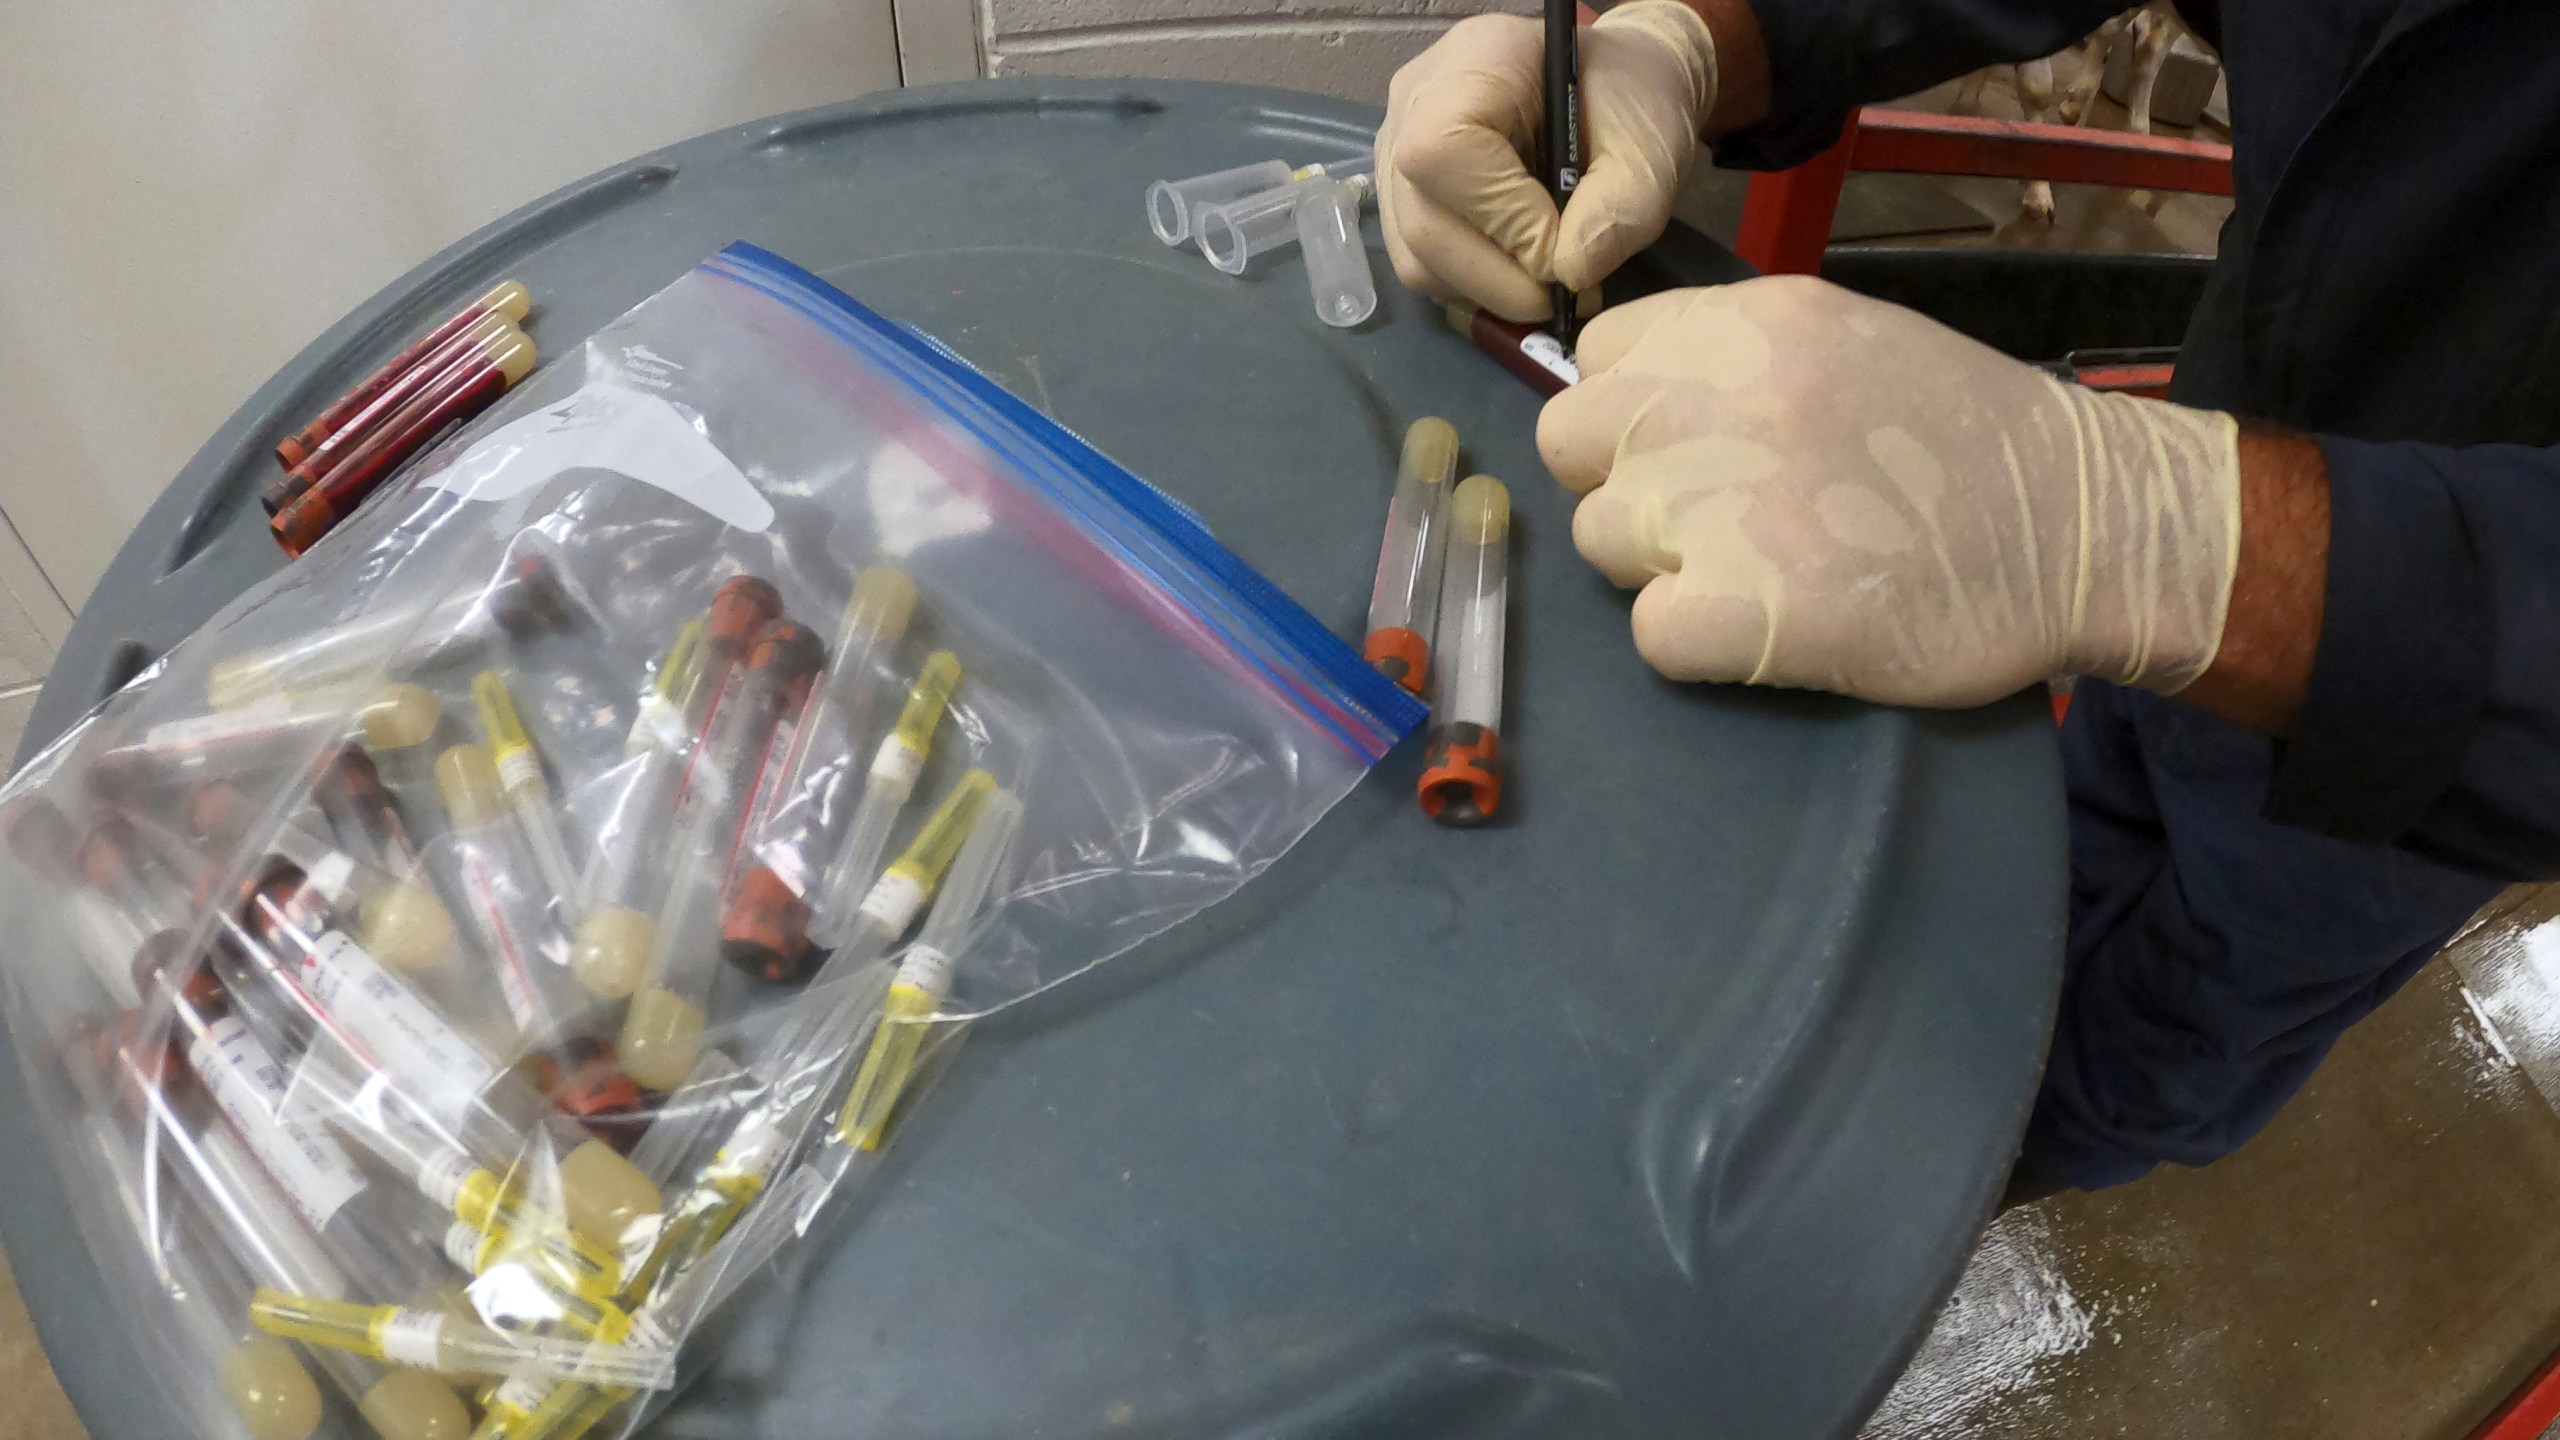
1670, 1106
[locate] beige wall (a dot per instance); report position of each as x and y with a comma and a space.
190, 192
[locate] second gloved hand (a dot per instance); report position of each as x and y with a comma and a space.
1823, 491
1462, 213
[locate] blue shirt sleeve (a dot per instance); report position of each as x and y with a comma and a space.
1827, 57
2433, 716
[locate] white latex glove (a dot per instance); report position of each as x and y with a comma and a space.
1463, 214
1824, 491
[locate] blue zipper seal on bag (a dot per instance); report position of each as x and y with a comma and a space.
1324, 660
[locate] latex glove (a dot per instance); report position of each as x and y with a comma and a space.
1464, 216
1824, 491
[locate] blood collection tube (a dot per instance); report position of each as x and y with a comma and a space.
1526, 351
1404, 601
662, 1029
532, 596
925, 973
886, 789
611, 956
402, 921
519, 772
507, 298
457, 392
618, 940
746, 1159
261, 1379
479, 337
434, 1339
278, 731
494, 873
764, 929
1461, 780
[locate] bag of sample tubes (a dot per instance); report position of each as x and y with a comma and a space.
457, 967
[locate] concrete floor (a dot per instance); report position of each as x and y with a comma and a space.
2372, 1266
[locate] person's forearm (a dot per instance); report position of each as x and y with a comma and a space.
1742, 66
2272, 629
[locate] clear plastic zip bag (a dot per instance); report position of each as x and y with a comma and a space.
479, 948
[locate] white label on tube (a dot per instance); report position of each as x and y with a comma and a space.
443, 1178
247, 1086
519, 1393
332, 877
1548, 353
430, 1061
927, 968
462, 1246
892, 904
518, 769
755, 1147
409, 1337
898, 763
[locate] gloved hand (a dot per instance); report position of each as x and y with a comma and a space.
1463, 214
1824, 491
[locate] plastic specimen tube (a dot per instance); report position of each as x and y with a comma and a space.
283, 729
528, 792
457, 392
925, 972
507, 298
434, 1340
494, 873
611, 956
1338, 278
737, 1173
403, 922
1231, 234
1172, 203
662, 1030
1535, 356
764, 929
533, 597
1404, 600
891, 781
1461, 781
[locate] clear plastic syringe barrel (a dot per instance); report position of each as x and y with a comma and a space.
1231, 234
764, 926
1338, 278
926, 971
1461, 777
1171, 204
1404, 601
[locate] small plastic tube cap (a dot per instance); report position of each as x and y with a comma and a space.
1172, 205
1328, 219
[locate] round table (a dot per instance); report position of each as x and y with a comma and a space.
1669, 1106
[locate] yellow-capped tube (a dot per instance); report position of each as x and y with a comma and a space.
1461, 780
437, 1340
737, 1173
925, 972
892, 779
528, 792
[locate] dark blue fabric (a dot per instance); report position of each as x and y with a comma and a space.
2389, 282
